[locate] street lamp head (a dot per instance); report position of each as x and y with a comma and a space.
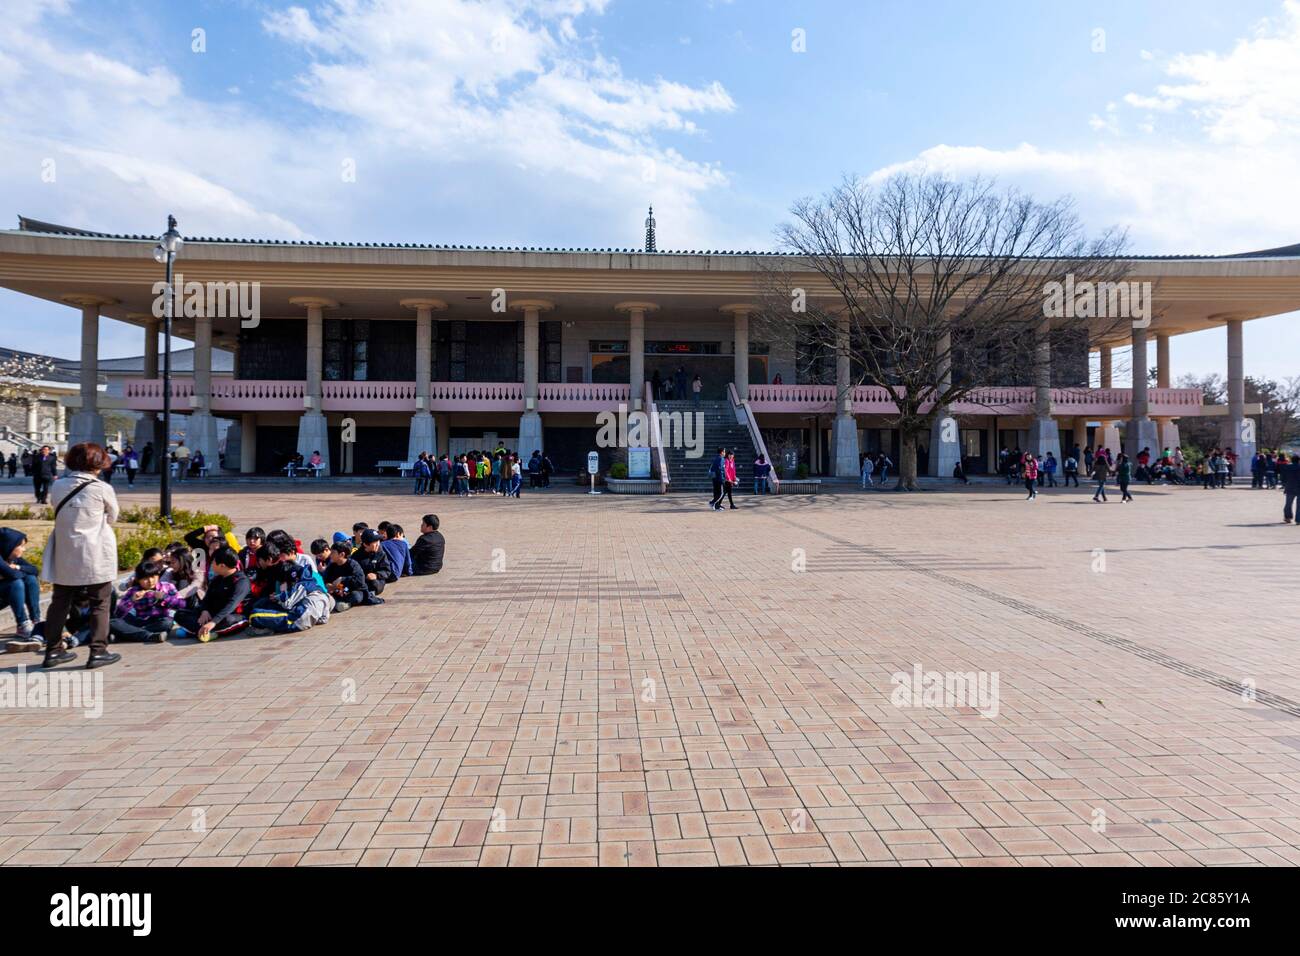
169, 243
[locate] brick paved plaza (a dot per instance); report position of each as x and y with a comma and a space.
649, 683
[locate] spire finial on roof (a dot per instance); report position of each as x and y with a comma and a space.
650, 231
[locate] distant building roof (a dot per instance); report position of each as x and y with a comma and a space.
182, 361
26, 224
69, 370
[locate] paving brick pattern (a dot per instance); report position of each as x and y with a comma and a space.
647, 683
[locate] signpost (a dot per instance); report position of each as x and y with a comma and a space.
593, 466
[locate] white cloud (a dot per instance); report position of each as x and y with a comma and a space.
1208, 166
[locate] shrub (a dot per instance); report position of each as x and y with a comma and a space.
132, 545
801, 472
618, 469
16, 514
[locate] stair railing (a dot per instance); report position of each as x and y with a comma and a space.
656, 438
745, 416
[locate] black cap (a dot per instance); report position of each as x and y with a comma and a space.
369, 536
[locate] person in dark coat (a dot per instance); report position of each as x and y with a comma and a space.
1291, 488
426, 553
344, 579
45, 468
374, 562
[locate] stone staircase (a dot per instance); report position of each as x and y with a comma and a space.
720, 428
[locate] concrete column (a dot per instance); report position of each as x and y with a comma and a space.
87, 423
740, 313
60, 423
200, 426
1080, 436
844, 431
1237, 432
34, 419
945, 438
636, 313
313, 430
530, 422
1044, 433
248, 443
1107, 367
424, 429
1162, 360
1140, 432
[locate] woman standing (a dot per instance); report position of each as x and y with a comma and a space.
1123, 475
729, 481
80, 557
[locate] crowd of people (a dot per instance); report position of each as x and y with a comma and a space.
200, 587
499, 472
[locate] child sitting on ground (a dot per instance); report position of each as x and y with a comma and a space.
392, 540
344, 579
144, 612
218, 615
297, 600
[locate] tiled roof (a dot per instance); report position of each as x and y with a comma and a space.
38, 227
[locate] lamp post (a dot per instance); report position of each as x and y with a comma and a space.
169, 244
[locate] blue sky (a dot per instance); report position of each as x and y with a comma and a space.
555, 122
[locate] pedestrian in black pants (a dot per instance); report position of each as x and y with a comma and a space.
1291, 488
45, 468
718, 474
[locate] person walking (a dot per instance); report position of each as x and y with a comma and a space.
1291, 488
45, 468
680, 383
761, 470
1100, 472
717, 475
729, 479
1031, 475
697, 388
1049, 466
146, 457
13, 464
1123, 475
80, 557
131, 462
868, 466
1071, 470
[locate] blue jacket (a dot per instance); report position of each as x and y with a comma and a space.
399, 556
422, 468
718, 470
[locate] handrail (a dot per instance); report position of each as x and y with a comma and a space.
656, 438
755, 433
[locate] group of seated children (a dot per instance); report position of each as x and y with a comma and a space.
205, 588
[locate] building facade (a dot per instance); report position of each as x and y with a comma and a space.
373, 353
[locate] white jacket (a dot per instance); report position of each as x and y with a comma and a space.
82, 548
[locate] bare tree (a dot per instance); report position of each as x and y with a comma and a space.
939, 289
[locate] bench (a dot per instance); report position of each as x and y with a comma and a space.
404, 468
